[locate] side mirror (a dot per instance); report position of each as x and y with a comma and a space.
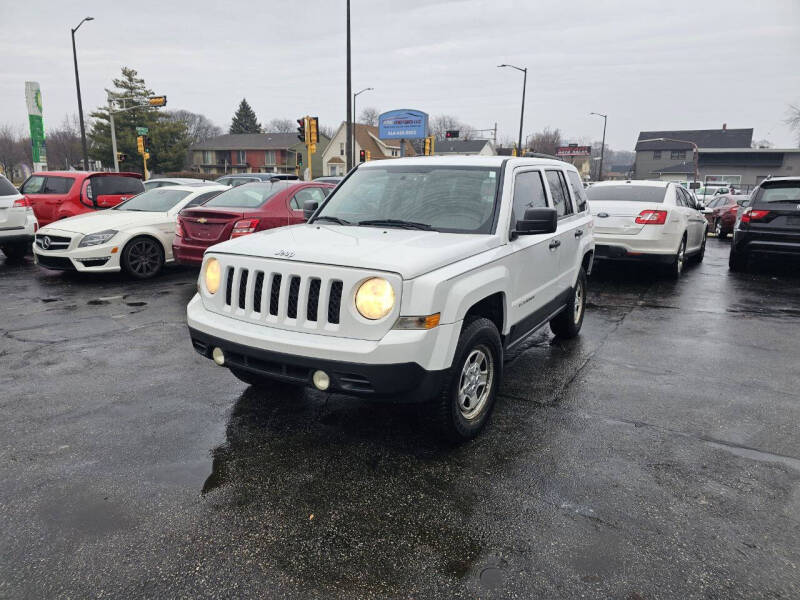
309, 208
538, 220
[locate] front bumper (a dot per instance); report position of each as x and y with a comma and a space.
92, 259
406, 363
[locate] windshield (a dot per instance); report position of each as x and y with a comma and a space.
445, 198
247, 196
627, 193
156, 200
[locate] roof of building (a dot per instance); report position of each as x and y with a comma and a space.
450, 146
250, 141
704, 138
367, 142
683, 167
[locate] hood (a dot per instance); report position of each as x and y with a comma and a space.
93, 222
409, 252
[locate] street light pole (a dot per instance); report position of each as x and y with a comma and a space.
353, 141
349, 127
522, 110
80, 102
603, 147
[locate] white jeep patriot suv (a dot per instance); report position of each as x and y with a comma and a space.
408, 282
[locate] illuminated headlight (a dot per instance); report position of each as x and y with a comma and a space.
95, 239
211, 274
375, 298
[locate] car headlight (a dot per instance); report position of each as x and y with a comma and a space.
94, 239
212, 275
375, 298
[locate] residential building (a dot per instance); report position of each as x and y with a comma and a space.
254, 153
450, 147
334, 158
723, 156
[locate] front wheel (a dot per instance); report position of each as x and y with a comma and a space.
469, 386
568, 322
701, 254
142, 258
14, 251
721, 233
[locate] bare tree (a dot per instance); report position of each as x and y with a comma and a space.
793, 120
12, 148
281, 126
369, 116
64, 144
546, 141
441, 124
327, 131
199, 127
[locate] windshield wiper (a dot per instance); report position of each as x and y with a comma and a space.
397, 223
336, 220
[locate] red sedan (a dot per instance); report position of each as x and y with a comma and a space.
721, 213
240, 211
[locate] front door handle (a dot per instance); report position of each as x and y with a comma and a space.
578, 233
554, 244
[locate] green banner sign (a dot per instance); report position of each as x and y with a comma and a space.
142, 130
33, 98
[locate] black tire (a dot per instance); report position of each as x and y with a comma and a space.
142, 258
16, 251
721, 234
737, 261
701, 254
479, 345
567, 324
675, 268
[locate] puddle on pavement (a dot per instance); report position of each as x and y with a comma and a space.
136, 303
98, 302
48, 300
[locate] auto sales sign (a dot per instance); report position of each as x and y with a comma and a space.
574, 151
404, 124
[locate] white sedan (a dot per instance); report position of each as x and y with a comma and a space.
656, 221
135, 236
17, 221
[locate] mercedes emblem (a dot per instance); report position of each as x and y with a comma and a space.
46, 242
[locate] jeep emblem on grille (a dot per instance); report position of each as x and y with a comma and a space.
46, 242
285, 253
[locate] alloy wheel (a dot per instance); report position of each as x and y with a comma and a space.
475, 382
144, 258
578, 303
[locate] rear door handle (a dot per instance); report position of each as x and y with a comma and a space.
578, 233
554, 244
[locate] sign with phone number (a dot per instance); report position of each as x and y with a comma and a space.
403, 124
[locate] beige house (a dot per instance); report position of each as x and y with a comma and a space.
334, 157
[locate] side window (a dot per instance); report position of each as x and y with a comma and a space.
313, 194
679, 199
202, 198
57, 185
224, 181
528, 193
34, 185
558, 190
577, 190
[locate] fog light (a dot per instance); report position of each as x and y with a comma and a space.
218, 355
321, 380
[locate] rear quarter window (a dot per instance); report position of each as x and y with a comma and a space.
114, 185
6, 188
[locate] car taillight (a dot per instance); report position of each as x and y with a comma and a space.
244, 227
179, 229
22, 203
652, 217
750, 215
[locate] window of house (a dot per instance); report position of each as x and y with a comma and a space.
656, 154
341, 149
269, 157
208, 157
395, 153
677, 154
558, 190
528, 193
242, 157
333, 170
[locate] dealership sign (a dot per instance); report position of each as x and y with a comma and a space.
574, 151
403, 124
33, 98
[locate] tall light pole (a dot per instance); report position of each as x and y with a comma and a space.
80, 102
353, 141
603, 147
695, 152
522, 111
349, 128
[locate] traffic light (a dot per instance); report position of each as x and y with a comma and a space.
362, 156
299, 159
157, 100
147, 144
451, 133
313, 130
428, 144
121, 157
368, 156
302, 134
140, 144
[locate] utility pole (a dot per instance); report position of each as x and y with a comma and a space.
80, 102
349, 128
524, 71
603, 147
113, 135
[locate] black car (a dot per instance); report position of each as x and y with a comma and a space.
770, 224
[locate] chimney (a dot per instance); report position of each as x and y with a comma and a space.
724, 126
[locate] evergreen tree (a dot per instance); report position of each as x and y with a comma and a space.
244, 121
169, 139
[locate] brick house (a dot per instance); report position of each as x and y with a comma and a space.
254, 153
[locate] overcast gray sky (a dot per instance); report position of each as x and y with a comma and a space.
649, 65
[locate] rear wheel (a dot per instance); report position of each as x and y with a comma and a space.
469, 386
702, 253
142, 258
737, 261
15, 251
721, 233
676, 267
568, 322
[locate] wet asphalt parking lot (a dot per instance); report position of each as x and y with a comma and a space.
656, 456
